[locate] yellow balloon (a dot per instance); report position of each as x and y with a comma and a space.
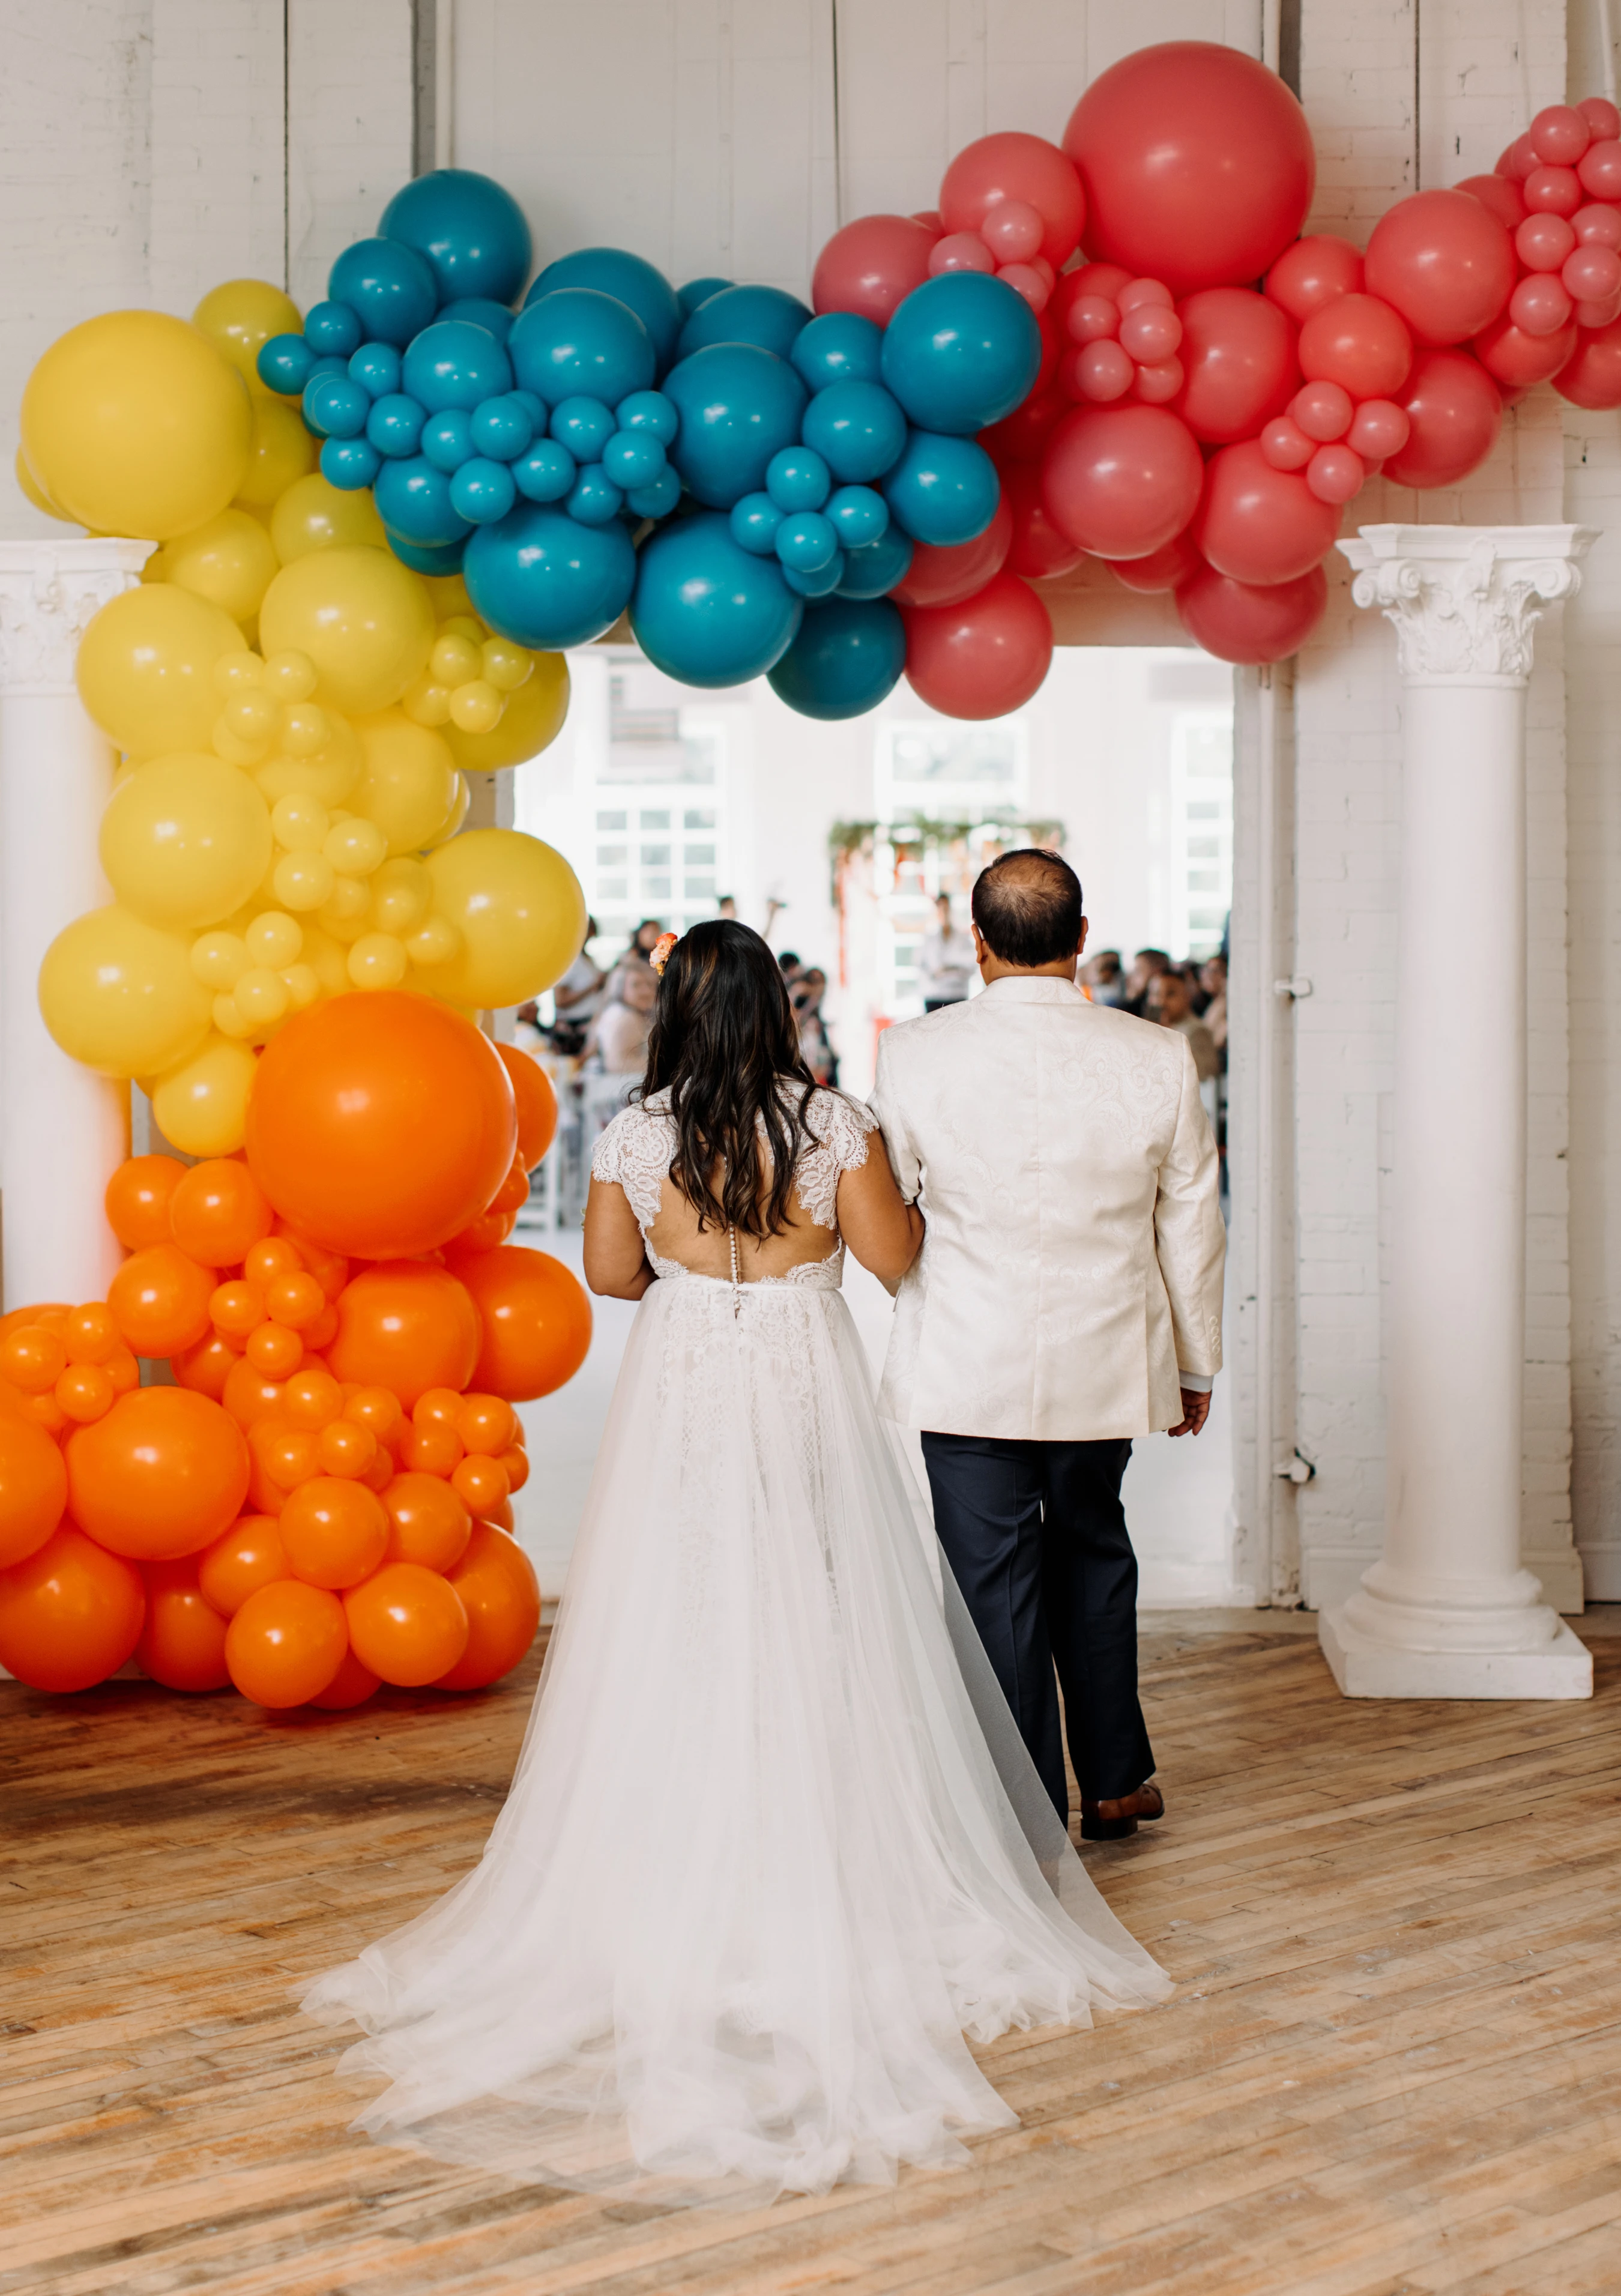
362, 618
329, 773
280, 453
450, 596
408, 786
185, 840
459, 809
35, 492
531, 721
120, 995
328, 959
520, 910
239, 319
378, 960
135, 424
314, 514
229, 561
145, 668
201, 1106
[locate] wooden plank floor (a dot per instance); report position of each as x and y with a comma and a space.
1392, 2065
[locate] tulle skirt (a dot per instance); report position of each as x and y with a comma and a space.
773, 1846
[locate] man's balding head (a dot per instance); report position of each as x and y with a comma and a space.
1028, 907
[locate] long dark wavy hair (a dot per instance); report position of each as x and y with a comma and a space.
723, 1043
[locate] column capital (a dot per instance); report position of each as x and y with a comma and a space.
1465, 600
49, 591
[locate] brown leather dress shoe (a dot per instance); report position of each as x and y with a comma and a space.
1112, 1821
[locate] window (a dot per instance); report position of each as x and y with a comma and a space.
700, 857
699, 889
612, 856
655, 857
699, 817
655, 889
654, 820
612, 889
613, 821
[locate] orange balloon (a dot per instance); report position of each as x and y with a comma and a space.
46, 1413
183, 1643
163, 1474
536, 1321
295, 1300
33, 1358
330, 1269
218, 1212
376, 1408
84, 1393
265, 1495
322, 1333
287, 1454
89, 1335
500, 1593
485, 1232
276, 1256
122, 1369
427, 1523
313, 1397
436, 1406
537, 1101
33, 1488
138, 1197
351, 1686
286, 1644
481, 1486
159, 1301
250, 1555
275, 1350
432, 1450
236, 1308
517, 1464
248, 1396
52, 1313
70, 1614
348, 1451
487, 1424
207, 1368
335, 1532
406, 1326
381, 1123
513, 1192
407, 1624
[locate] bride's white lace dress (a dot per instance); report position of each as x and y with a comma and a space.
760, 1870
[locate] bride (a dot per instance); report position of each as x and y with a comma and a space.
773, 1846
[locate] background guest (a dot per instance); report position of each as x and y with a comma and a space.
1145, 966
1103, 979
946, 962
1171, 1004
814, 1043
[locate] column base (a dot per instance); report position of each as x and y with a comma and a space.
1364, 1668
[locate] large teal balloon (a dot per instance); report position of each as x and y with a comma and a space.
425, 558
578, 342
857, 428
454, 364
470, 228
414, 501
942, 490
388, 286
542, 579
765, 316
847, 657
614, 271
876, 567
739, 405
960, 351
839, 347
707, 611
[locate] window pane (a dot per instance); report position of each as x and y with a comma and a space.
613, 821
698, 817
612, 889
612, 856
655, 820
699, 889
655, 857
656, 889
700, 857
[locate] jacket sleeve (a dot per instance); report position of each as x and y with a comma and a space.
1190, 1239
886, 1107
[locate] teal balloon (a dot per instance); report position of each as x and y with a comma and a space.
454, 364
349, 463
706, 611
448, 439
806, 542
739, 405
285, 364
502, 428
658, 498
470, 229
817, 581
767, 316
944, 490
593, 498
482, 491
839, 347
580, 343
335, 407
480, 312
697, 291
960, 351
376, 367
390, 288
857, 428
542, 579
633, 458
754, 522
859, 516
876, 567
332, 331
797, 479
545, 473
585, 426
414, 501
847, 658
614, 271
649, 411
394, 424
428, 558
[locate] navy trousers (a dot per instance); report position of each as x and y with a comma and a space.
1036, 1535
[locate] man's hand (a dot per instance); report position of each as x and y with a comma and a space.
1195, 1411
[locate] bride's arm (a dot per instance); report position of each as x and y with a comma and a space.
616, 1260
882, 1228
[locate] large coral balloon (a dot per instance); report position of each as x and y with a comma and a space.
1245, 622
1014, 166
501, 1595
536, 1102
408, 1326
380, 1125
183, 1643
70, 1614
872, 265
1198, 165
163, 1474
1456, 412
1121, 481
1444, 263
983, 657
536, 1321
33, 1488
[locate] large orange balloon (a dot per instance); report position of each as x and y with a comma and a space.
218, 1212
248, 1396
286, 1642
159, 1301
334, 1531
250, 1555
427, 1523
33, 1488
381, 1124
501, 1595
183, 1643
206, 1366
70, 1614
351, 1686
406, 1624
536, 1321
163, 1474
138, 1197
406, 1326
537, 1103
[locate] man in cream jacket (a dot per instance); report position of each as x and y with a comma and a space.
1068, 1297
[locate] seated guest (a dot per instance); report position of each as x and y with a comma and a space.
1170, 1004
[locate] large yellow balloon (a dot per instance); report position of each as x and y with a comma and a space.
229, 561
135, 424
362, 618
531, 721
520, 910
35, 492
408, 786
314, 514
201, 1106
184, 840
280, 453
120, 995
329, 774
238, 318
145, 668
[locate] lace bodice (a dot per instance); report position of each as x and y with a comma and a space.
635, 1149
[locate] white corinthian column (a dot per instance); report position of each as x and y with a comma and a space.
62, 1129
1447, 1611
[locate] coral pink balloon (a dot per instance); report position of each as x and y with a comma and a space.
1323, 410
1593, 378
1543, 241
1591, 275
1360, 342
984, 657
1500, 195
1238, 354
1037, 551
1517, 361
1098, 371
870, 265
944, 575
1378, 430
1444, 263
1092, 319
1141, 294
1517, 160
1161, 569
1025, 280
1597, 225
1553, 191
1286, 445
1594, 316
1150, 332
1559, 135
1336, 473
1603, 118
1599, 169
1027, 170
1198, 165
1159, 385
1122, 480
1258, 524
1013, 231
960, 250
1541, 304
1237, 622
1313, 271
1022, 435
1456, 412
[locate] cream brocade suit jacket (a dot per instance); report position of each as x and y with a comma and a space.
1073, 1260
